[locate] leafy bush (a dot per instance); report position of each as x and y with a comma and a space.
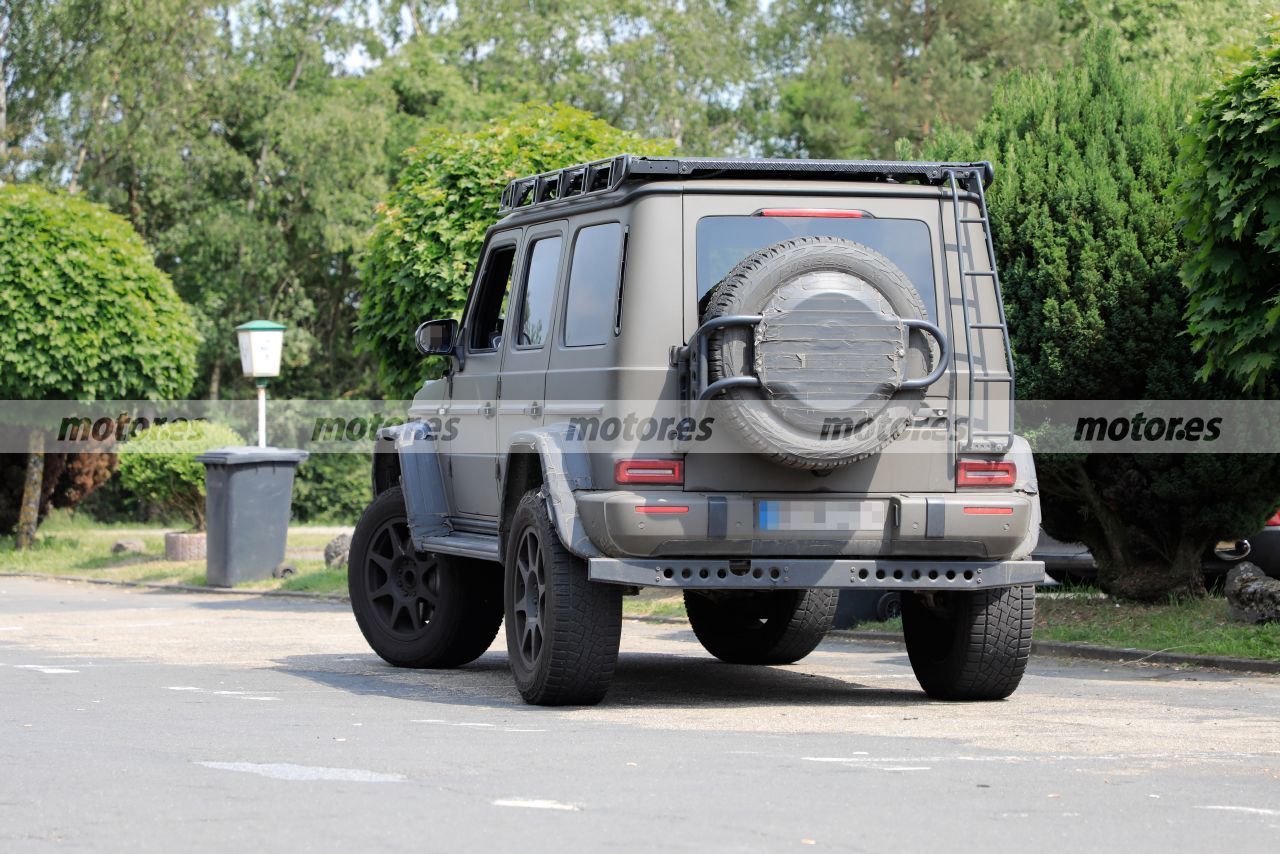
84, 312
332, 488
1231, 207
423, 251
1086, 228
159, 466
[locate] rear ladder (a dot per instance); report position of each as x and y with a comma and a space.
980, 440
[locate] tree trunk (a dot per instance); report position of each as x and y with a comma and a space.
29, 514
215, 379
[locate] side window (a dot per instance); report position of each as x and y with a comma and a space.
539, 292
491, 301
591, 309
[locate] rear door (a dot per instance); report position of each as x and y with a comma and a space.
527, 344
724, 229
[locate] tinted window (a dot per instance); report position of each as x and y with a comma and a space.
491, 301
591, 307
723, 241
539, 292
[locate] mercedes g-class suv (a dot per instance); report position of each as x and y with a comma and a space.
757, 381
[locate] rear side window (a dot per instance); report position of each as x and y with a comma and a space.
590, 313
539, 292
723, 241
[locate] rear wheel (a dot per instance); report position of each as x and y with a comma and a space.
414, 609
563, 630
970, 645
761, 628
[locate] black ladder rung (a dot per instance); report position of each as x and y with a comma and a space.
988, 273
992, 379
986, 326
974, 220
991, 433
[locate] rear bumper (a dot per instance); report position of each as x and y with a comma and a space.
803, 573
936, 526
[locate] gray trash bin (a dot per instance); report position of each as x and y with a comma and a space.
249, 492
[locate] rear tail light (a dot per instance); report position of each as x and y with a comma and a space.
821, 213
1274, 521
986, 473
666, 472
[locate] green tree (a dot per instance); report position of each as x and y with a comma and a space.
1086, 226
84, 313
1231, 208
846, 78
423, 250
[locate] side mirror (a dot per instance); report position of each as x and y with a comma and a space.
437, 337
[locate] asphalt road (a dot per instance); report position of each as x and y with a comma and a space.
143, 721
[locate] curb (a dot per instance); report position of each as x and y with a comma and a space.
1118, 655
183, 588
1048, 649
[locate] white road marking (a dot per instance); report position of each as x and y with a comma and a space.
306, 773
836, 758
40, 668
513, 729
1250, 810
10, 628
183, 688
905, 768
470, 724
536, 804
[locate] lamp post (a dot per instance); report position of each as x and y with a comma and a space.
260, 345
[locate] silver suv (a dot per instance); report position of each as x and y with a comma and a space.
758, 381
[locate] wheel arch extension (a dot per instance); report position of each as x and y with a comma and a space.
545, 458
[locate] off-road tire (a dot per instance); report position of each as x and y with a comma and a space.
750, 288
570, 658
970, 645
761, 628
418, 610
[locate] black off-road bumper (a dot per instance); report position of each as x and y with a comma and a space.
772, 573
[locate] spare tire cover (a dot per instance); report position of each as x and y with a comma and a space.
830, 352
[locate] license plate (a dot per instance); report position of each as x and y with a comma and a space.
820, 515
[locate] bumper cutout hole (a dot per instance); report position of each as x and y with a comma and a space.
702, 573
775, 573
668, 572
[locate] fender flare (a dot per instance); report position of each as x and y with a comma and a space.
421, 478
565, 469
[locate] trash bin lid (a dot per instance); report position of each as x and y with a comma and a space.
251, 456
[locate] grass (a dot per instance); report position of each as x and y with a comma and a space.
70, 545
1196, 626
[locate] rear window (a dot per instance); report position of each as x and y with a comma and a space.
723, 241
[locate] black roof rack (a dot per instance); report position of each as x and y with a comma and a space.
602, 176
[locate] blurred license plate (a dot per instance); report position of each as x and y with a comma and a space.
820, 515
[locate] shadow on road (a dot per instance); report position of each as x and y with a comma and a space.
647, 680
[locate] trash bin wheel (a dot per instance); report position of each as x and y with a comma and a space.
415, 609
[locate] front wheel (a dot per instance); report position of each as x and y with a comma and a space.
970, 645
418, 610
563, 630
761, 628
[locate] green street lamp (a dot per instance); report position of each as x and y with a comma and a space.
260, 344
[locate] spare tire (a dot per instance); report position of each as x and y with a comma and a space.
831, 353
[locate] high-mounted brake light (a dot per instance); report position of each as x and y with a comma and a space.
1274, 521
986, 473
827, 213
670, 472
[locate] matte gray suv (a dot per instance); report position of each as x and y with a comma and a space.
758, 381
